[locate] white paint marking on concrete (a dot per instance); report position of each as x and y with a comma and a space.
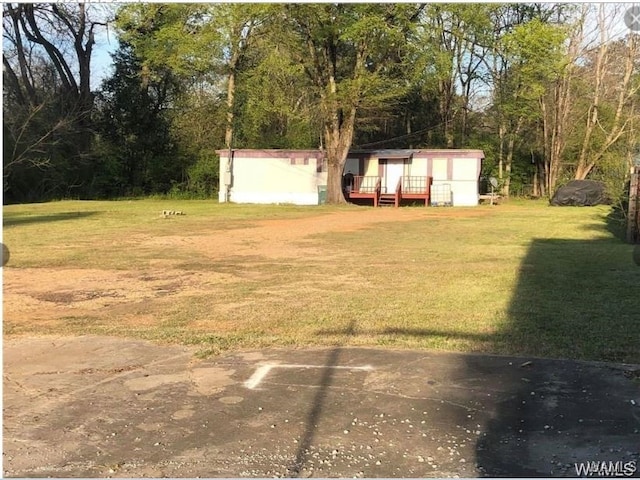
257, 376
263, 370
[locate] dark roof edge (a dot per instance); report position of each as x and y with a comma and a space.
380, 153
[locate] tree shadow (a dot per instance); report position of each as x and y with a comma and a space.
576, 299
13, 219
318, 405
616, 220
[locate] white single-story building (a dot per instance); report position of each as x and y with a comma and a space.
297, 176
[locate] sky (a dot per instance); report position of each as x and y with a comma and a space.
106, 44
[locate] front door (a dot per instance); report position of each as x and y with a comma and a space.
394, 170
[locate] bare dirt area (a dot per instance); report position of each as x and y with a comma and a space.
47, 294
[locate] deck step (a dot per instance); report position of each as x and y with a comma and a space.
387, 199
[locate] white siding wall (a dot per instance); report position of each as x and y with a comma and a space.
464, 184
462, 193
274, 180
371, 167
439, 170
277, 180
417, 167
462, 180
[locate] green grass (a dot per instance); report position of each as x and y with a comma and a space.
103, 234
521, 278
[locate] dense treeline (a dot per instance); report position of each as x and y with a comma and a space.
545, 90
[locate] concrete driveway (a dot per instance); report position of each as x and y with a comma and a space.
107, 407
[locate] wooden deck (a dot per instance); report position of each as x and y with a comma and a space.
493, 198
408, 188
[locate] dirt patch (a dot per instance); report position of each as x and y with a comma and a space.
44, 294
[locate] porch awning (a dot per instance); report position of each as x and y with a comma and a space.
394, 154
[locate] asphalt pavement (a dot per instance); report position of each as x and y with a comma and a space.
108, 407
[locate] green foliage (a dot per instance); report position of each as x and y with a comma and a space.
180, 37
134, 129
274, 105
202, 177
613, 171
296, 76
534, 50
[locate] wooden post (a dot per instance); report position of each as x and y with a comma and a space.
633, 218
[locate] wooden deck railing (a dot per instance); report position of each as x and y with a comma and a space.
408, 187
364, 184
415, 184
365, 187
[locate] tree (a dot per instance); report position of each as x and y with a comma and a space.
533, 55
48, 101
353, 57
133, 127
612, 78
588, 110
200, 43
454, 40
194, 39
275, 105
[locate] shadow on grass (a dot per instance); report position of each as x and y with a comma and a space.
616, 221
574, 299
577, 299
10, 220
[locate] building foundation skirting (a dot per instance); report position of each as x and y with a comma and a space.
294, 198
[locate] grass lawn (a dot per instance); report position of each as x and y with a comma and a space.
520, 278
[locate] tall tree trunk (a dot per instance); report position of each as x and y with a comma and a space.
508, 165
511, 146
445, 104
582, 168
540, 174
231, 92
338, 136
20, 52
555, 123
501, 139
